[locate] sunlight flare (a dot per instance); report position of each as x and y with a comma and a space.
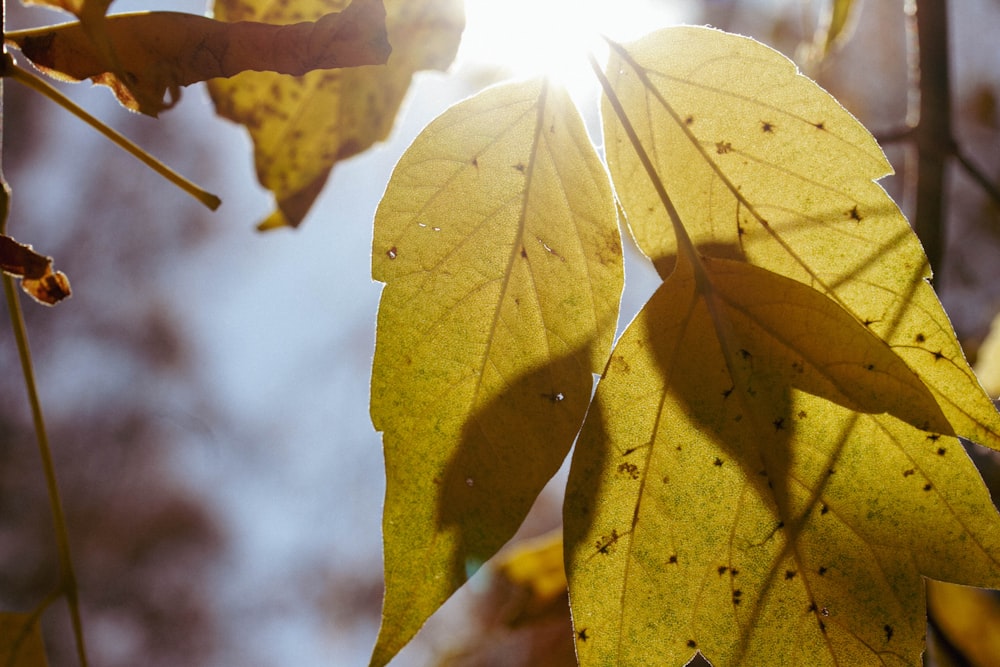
524, 38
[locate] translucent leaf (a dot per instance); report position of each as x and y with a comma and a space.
770, 463
988, 359
742, 488
765, 167
21, 642
303, 126
834, 28
497, 240
163, 51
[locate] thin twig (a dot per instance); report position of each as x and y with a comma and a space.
11, 70
933, 131
68, 582
67, 575
977, 175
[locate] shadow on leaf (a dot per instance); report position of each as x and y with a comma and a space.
509, 450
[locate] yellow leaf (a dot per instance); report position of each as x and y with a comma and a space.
969, 618
534, 568
301, 127
742, 488
497, 240
765, 167
988, 360
163, 51
21, 642
834, 27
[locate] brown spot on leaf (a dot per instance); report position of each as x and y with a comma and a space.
630, 469
723, 147
605, 543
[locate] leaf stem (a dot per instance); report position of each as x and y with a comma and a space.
11, 70
67, 583
683, 240
26, 627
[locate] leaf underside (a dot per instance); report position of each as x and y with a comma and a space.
497, 239
769, 466
160, 52
310, 123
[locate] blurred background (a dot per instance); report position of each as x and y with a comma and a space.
206, 388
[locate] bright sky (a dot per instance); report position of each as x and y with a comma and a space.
531, 37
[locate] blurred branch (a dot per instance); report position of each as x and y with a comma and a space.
933, 132
977, 175
67, 582
930, 126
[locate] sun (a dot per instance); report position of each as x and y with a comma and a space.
553, 37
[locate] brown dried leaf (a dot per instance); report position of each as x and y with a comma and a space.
162, 51
35, 270
77, 7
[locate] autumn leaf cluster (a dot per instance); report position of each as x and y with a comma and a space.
770, 461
